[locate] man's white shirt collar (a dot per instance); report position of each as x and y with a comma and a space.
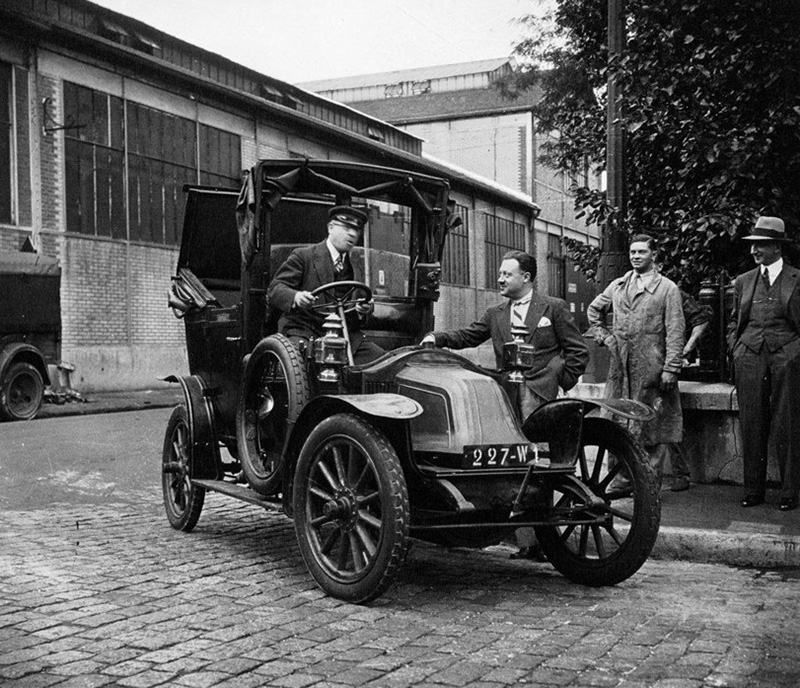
774, 270
335, 253
524, 300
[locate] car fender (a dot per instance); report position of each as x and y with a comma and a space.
203, 441
630, 409
394, 410
22, 351
383, 405
560, 422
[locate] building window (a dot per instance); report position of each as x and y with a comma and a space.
501, 236
455, 260
94, 149
6, 137
162, 157
556, 267
393, 91
160, 154
220, 158
420, 87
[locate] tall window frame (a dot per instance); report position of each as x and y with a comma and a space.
455, 259
94, 149
556, 267
502, 235
127, 164
162, 157
7, 153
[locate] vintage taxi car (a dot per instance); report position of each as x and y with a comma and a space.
421, 443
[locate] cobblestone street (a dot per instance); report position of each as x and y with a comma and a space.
110, 595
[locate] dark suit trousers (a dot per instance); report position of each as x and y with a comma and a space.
768, 390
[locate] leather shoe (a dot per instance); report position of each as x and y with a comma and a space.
787, 504
752, 500
533, 553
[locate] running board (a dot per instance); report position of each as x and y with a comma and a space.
242, 492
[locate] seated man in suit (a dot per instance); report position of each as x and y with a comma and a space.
310, 267
561, 353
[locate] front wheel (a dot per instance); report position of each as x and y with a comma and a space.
615, 468
183, 500
21, 392
351, 508
274, 391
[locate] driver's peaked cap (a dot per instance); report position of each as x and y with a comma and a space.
347, 215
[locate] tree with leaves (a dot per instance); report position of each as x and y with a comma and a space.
711, 114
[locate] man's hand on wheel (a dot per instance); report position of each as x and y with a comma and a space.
304, 299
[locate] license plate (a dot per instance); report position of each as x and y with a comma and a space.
495, 455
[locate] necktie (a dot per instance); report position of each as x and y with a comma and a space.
516, 314
338, 265
765, 275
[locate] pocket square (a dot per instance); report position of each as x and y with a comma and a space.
544, 322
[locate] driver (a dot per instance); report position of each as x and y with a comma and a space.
310, 267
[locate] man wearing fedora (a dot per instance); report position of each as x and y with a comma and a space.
764, 338
310, 267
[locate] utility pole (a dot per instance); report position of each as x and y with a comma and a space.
614, 241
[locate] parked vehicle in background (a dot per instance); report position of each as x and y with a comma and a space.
30, 331
420, 443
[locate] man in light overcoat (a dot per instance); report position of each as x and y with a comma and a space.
646, 344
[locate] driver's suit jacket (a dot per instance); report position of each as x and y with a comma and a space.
306, 269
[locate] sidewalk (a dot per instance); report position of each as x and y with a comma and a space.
705, 523
113, 402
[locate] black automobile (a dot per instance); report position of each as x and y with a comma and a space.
420, 443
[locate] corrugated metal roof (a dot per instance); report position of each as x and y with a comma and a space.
418, 74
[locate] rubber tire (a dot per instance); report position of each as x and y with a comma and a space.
21, 392
339, 450
259, 445
183, 500
573, 550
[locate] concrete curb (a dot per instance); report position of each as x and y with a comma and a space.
114, 403
725, 547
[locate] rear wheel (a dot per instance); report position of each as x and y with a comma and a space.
612, 550
21, 392
183, 500
351, 508
274, 392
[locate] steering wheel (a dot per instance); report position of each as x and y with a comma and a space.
346, 301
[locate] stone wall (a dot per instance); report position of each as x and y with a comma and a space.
713, 439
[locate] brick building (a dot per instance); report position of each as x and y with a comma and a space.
464, 119
103, 119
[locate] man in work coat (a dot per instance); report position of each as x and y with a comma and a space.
646, 345
764, 338
560, 357
310, 267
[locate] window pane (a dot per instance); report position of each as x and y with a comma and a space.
455, 260
556, 281
501, 236
157, 172
93, 162
220, 157
5, 142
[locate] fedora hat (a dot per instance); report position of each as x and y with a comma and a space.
768, 229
